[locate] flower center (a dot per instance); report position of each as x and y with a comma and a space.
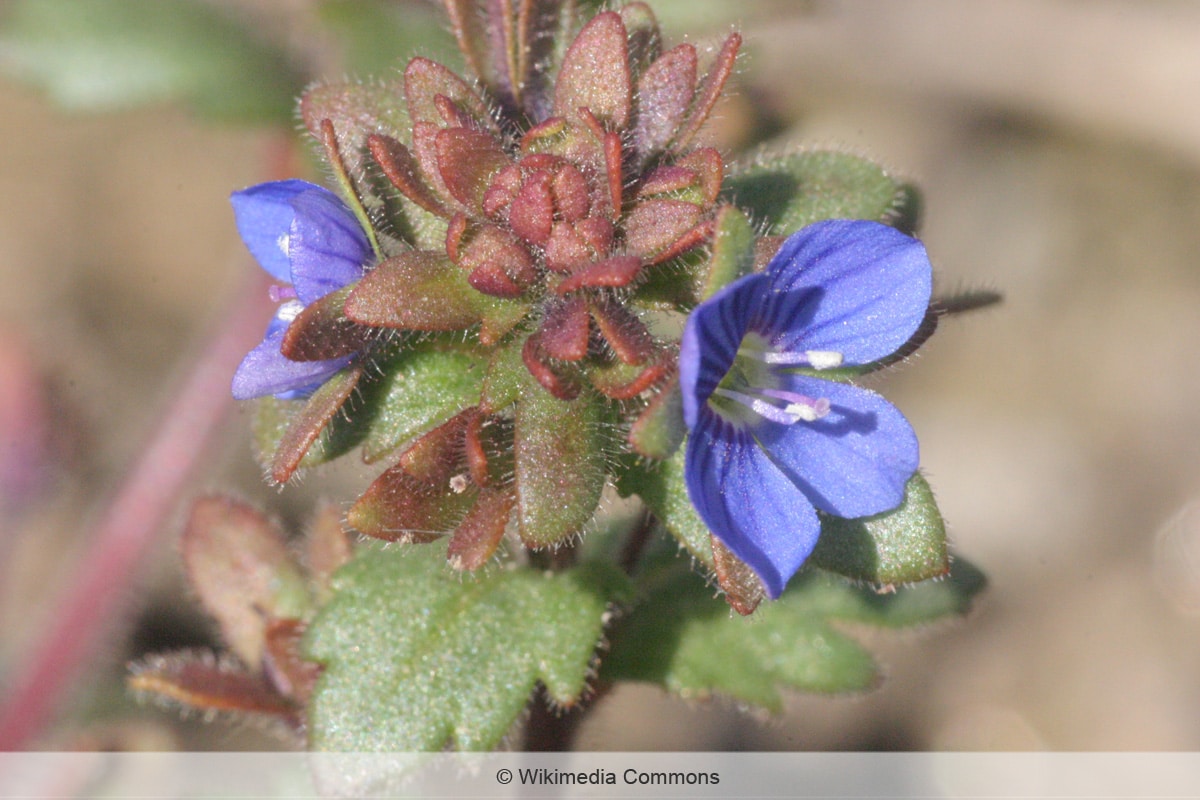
751, 391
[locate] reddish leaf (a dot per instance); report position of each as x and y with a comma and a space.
283, 666
467, 159
611, 273
709, 92
238, 562
531, 213
654, 225
401, 169
595, 73
622, 381
710, 172
318, 412
622, 329
328, 547
417, 290
437, 455
321, 331
425, 81
399, 508
499, 264
743, 589
478, 535
564, 330
534, 356
200, 681
665, 93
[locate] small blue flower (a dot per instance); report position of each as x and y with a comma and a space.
769, 443
308, 239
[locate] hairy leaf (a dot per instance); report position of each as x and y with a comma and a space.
418, 656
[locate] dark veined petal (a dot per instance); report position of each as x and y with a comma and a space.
711, 339
327, 247
855, 287
263, 215
852, 462
747, 502
266, 371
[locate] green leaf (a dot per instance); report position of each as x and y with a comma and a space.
418, 656
686, 640
791, 192
101, 55
732, 251
661, 487
422, 389
559, 464
906, 545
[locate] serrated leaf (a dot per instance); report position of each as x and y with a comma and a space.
683, 638
791, 192
101, 55
906, 545
418, 656
421, 390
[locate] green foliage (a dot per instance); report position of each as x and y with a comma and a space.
418, 656
686, 640
793, 191
101, 55
906, 545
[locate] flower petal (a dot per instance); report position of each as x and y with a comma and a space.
266, 371
711, 339
263, 215
747, 502
855, 287
854, 461
326, 245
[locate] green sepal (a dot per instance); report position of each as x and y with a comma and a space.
559, 464
422, 388
661, 487
685, 640
906, 545
796, 190
418, 656
103, 55
659, 430
732, 252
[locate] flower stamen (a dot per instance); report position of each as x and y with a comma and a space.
798, 408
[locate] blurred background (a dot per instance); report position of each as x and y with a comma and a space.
1058, 146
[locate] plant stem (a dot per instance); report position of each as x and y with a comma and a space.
96, 595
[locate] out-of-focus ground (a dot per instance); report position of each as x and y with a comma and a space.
1058, 147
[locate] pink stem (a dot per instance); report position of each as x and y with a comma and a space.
137, 516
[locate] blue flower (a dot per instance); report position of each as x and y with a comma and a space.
308, 239
769, 442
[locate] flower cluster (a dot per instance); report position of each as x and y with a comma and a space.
546, 226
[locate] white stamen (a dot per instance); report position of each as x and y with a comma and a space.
823, 359
289, 311
809, 413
